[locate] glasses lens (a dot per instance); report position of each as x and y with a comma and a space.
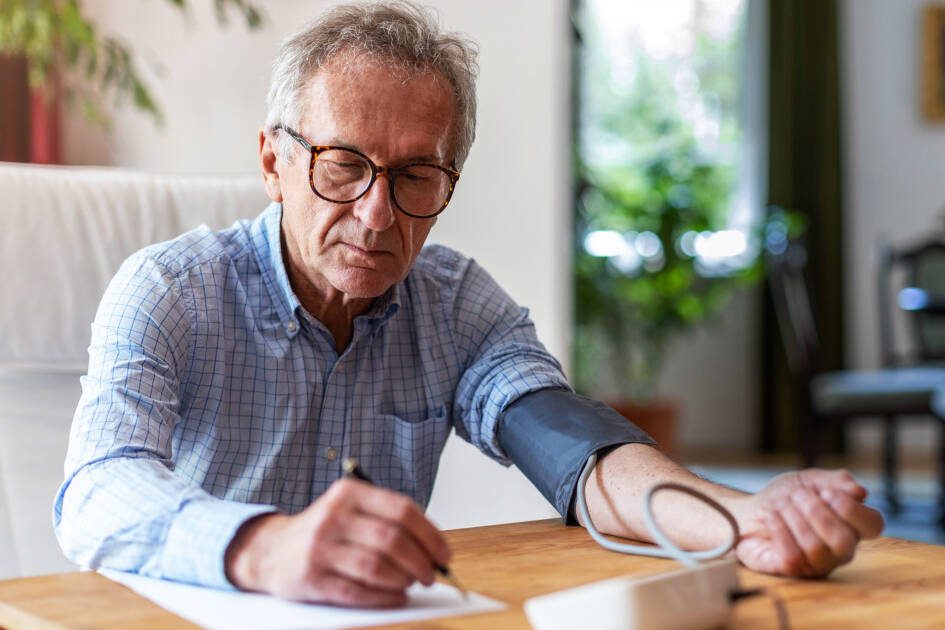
421, 190
341, 175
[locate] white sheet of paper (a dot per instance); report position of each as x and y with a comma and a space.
214, 608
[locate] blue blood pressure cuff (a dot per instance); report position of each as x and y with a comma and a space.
550, 434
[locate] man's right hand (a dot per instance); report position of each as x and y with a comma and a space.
356, 545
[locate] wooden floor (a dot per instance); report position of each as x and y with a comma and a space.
909, 462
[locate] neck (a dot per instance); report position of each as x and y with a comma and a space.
331, 307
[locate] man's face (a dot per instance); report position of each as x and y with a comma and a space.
364, 247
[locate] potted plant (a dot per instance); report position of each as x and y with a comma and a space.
653, 259
65, 53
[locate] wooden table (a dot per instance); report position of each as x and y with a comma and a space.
891, 584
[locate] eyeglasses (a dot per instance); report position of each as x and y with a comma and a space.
342, 175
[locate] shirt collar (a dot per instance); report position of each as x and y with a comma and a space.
267, 242
384, 306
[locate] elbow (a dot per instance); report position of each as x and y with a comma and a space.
68, 526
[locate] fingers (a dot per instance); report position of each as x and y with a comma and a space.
838, 480
377, 537
786, 557
367, 567
867, 521
398, 509
845, 496
339, 590
356, 545
392, 541
823, 538
830, 530
816, 553
811, 523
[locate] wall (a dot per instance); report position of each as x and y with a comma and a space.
712, 372
894, 184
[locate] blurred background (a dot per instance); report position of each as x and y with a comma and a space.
640, 171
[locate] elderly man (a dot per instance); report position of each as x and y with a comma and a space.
231, 372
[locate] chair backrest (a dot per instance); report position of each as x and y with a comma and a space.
911, 280
65, 233
786, 260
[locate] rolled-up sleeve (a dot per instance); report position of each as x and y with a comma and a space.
513, 401
121, 506
504, 360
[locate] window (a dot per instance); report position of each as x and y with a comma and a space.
667, 163
660, 116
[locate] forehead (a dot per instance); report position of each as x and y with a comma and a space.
381, 110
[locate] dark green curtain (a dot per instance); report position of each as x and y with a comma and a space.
804, 175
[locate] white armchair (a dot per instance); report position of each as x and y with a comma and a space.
65, 233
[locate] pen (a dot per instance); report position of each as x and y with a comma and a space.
351, 468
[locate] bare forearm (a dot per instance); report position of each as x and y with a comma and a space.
804, 523
616, 489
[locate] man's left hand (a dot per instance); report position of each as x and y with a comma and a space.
805, 524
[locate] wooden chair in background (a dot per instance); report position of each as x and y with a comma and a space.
897, 390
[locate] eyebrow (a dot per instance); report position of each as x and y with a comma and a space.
338, 142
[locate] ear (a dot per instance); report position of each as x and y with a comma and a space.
267, 161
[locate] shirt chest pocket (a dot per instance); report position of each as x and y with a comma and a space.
403, 454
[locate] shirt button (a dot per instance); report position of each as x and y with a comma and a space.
331, 454
291, 326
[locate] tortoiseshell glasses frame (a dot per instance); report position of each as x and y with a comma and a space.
392, 174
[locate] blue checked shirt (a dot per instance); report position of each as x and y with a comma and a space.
213, 396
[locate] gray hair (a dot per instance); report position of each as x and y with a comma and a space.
401, 34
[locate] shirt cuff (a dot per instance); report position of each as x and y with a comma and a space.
199, 536
551, 433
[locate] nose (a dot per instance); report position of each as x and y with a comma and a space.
376, 209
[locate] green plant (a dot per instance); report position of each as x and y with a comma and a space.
630, 306
656, 169
55, 36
